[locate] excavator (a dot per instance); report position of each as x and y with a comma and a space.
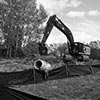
77, 51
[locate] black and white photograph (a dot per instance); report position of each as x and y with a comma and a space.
49, 50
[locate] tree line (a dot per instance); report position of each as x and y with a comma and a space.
20, 24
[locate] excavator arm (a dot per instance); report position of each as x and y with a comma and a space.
55, 21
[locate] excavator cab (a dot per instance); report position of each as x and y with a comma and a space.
81, 52
82, 49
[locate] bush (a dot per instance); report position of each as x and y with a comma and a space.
95, 53
31, 49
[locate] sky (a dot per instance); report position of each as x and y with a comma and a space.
82, 17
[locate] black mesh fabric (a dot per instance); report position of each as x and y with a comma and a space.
16, 78
33, 76
30, 76
12, 94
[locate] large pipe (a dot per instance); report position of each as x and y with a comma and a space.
42, 65
46, 67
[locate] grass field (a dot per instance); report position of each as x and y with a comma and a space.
75, 88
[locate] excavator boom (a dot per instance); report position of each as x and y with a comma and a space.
55, 21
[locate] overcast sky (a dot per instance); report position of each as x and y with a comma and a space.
81, 16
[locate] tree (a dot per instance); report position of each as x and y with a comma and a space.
63, 49
95, 44
95, 49
20, 19
31, 50
95, 53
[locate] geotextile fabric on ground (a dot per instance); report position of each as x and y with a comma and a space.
12, 94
